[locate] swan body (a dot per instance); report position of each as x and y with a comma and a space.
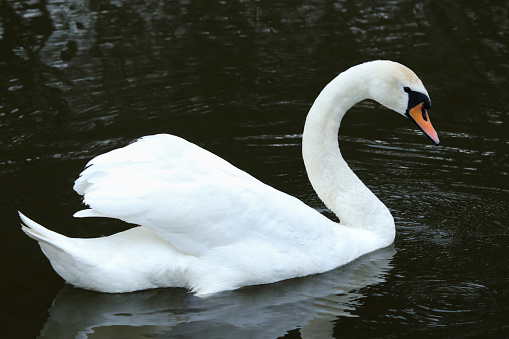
208, 226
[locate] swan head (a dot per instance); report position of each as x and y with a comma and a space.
398, 88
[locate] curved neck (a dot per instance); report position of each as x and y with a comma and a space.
331, 177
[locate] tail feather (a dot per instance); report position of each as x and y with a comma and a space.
40, 233
71, 258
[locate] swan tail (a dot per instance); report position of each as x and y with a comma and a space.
57, 247
42, 234
65, 254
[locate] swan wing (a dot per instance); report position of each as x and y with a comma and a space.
188, 196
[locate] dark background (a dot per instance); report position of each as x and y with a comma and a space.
237, 78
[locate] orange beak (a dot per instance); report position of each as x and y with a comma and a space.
420, 116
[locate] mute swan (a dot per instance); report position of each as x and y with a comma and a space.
207, 226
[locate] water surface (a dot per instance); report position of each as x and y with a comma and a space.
237, 78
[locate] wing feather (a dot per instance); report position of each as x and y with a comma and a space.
187, 195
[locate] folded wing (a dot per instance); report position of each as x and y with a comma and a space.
188, 196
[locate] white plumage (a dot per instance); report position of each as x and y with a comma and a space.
209, 226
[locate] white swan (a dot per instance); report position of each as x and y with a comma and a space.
210, 227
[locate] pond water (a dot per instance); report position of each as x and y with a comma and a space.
237, 78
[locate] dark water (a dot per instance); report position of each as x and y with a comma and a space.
237, 77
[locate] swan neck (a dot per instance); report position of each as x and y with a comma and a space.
331, 177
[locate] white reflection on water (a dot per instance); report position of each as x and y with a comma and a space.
268, 311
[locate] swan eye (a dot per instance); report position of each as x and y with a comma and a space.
407, 89
417, 99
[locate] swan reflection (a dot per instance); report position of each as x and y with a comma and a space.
267, 311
